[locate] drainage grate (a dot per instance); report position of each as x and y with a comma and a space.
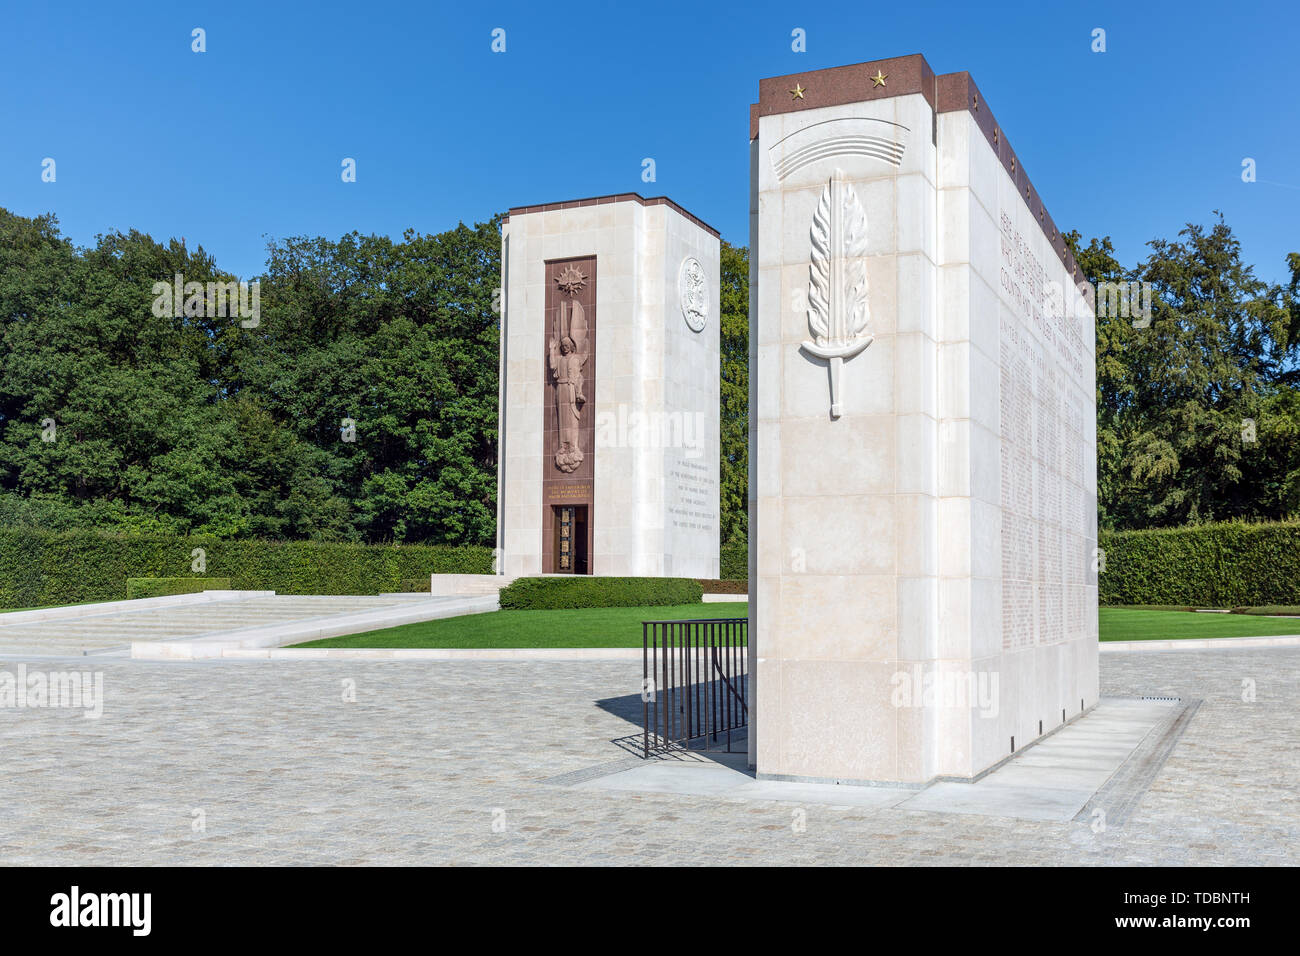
1122, 792
593, 773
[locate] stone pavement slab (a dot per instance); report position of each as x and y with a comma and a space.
397, 762
1069, 767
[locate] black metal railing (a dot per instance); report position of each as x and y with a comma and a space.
695, 683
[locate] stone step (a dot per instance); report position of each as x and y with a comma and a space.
468, 585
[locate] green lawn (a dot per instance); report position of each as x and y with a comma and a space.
1122, 624
621, 627
585, 627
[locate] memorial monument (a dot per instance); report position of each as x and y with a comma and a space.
609, 402
923, 436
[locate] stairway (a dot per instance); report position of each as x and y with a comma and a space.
468, 585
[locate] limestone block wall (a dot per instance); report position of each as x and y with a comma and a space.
922, 505
649, 370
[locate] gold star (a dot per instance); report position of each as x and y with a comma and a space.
797, 92
878, 79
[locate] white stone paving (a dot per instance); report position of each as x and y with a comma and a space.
432, 755
1051, 780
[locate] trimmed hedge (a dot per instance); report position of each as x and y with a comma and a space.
1282, 610
588, 591
42, 569
1231, 564
411, 585
162, 587
733, 561
723, 586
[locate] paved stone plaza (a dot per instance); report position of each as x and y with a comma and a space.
208, 624
447, 763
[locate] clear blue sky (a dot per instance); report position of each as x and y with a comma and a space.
244, 142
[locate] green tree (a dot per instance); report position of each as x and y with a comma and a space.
1193, 406
734, 420
401, 339
104, 405
198, 424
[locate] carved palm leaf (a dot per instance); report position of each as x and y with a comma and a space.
819, 269
855, 265
839, 232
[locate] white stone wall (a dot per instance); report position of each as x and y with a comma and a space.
1021, 427
642, 360
691, 394
877, 538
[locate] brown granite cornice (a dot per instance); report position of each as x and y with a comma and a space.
843, 84
945, 93
607, 200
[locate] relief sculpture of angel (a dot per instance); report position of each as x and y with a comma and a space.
567, 351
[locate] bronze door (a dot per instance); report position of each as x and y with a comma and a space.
570, 539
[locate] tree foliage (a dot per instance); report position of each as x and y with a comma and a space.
734, 420
1197, 411
197, 425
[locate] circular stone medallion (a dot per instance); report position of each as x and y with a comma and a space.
694, 290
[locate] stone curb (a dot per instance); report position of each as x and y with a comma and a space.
268, 637
436, 653
1200, 644
73, 611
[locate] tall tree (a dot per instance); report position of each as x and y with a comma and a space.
734, 422
1190, 404
384, 356
192, 423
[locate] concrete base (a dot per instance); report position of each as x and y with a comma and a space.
1052, 780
